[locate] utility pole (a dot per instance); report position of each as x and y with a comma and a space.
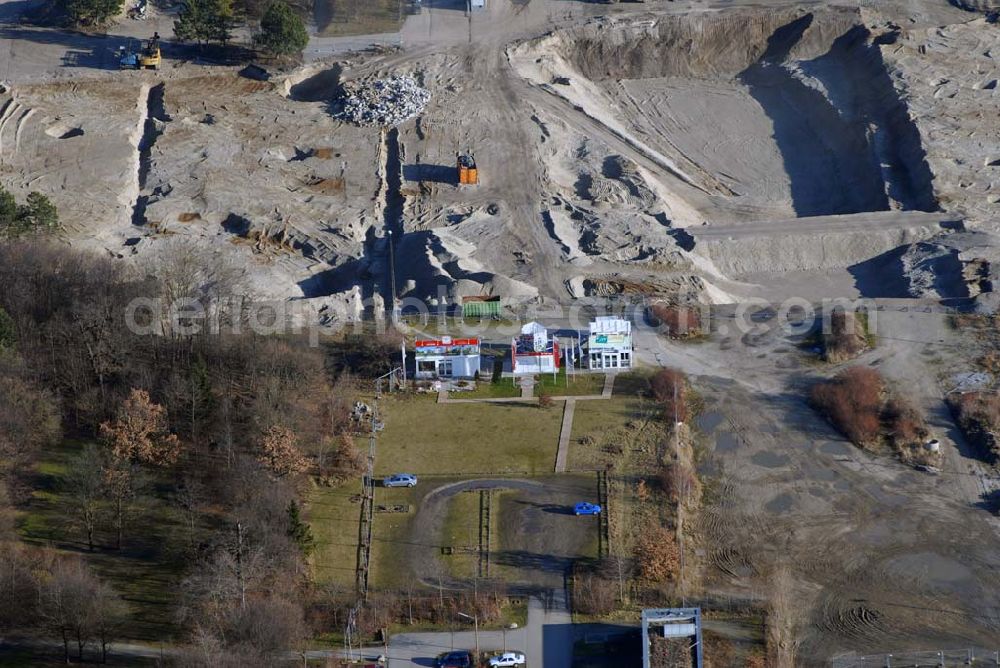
569, 365
392, 275
680, 498
402, 361
343, 178
475, 620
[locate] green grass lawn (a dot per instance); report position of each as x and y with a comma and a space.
147, 571
634, 383
461, 529
333, 514
514, 612
358, 17
421, 437
389, 568
596, 423
487, 390
575, 384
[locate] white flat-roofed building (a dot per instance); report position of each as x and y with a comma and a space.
609, 346
447, 358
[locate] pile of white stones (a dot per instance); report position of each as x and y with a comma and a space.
383, 103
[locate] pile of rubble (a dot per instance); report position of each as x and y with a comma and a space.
383, 103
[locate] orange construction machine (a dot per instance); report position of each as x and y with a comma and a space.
468, 174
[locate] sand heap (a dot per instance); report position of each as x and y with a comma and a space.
384, 102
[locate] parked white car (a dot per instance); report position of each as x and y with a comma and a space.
508, 659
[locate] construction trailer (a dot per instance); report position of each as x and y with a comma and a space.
681, 626
481, 307
447, 358
468, 173
128, 55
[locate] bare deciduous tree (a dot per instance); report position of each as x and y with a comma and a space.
109, 617
85, 489
65, 604
267, 627
18, 590
669, 388
594, 593
29, 415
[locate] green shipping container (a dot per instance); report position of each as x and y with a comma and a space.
478, 308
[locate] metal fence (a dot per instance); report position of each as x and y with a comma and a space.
944, 658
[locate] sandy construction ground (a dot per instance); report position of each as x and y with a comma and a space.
699, 151
669, 118
885, 558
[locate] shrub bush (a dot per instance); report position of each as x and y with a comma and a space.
666, 384
852, 402
678, 322
656, 553
545, 400
846, 338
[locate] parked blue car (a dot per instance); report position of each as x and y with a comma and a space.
584, 508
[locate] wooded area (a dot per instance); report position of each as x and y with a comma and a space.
193, 453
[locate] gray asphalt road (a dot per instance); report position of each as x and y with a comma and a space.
547, 639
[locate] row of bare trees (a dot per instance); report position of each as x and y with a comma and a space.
61, 596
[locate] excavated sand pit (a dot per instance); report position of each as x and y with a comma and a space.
711, 155
774, 114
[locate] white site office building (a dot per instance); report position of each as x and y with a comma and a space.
447, 358
609, 345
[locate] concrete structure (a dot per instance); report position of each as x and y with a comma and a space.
609, 346
534, 351
447, 358
670, 623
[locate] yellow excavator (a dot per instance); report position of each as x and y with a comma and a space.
149, 57
146, 58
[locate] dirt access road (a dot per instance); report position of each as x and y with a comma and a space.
884, 557
536, 539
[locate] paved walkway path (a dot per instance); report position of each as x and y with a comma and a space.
527, 388
522, 400
564, 434
609, 385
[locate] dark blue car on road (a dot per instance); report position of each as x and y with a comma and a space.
585, 508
